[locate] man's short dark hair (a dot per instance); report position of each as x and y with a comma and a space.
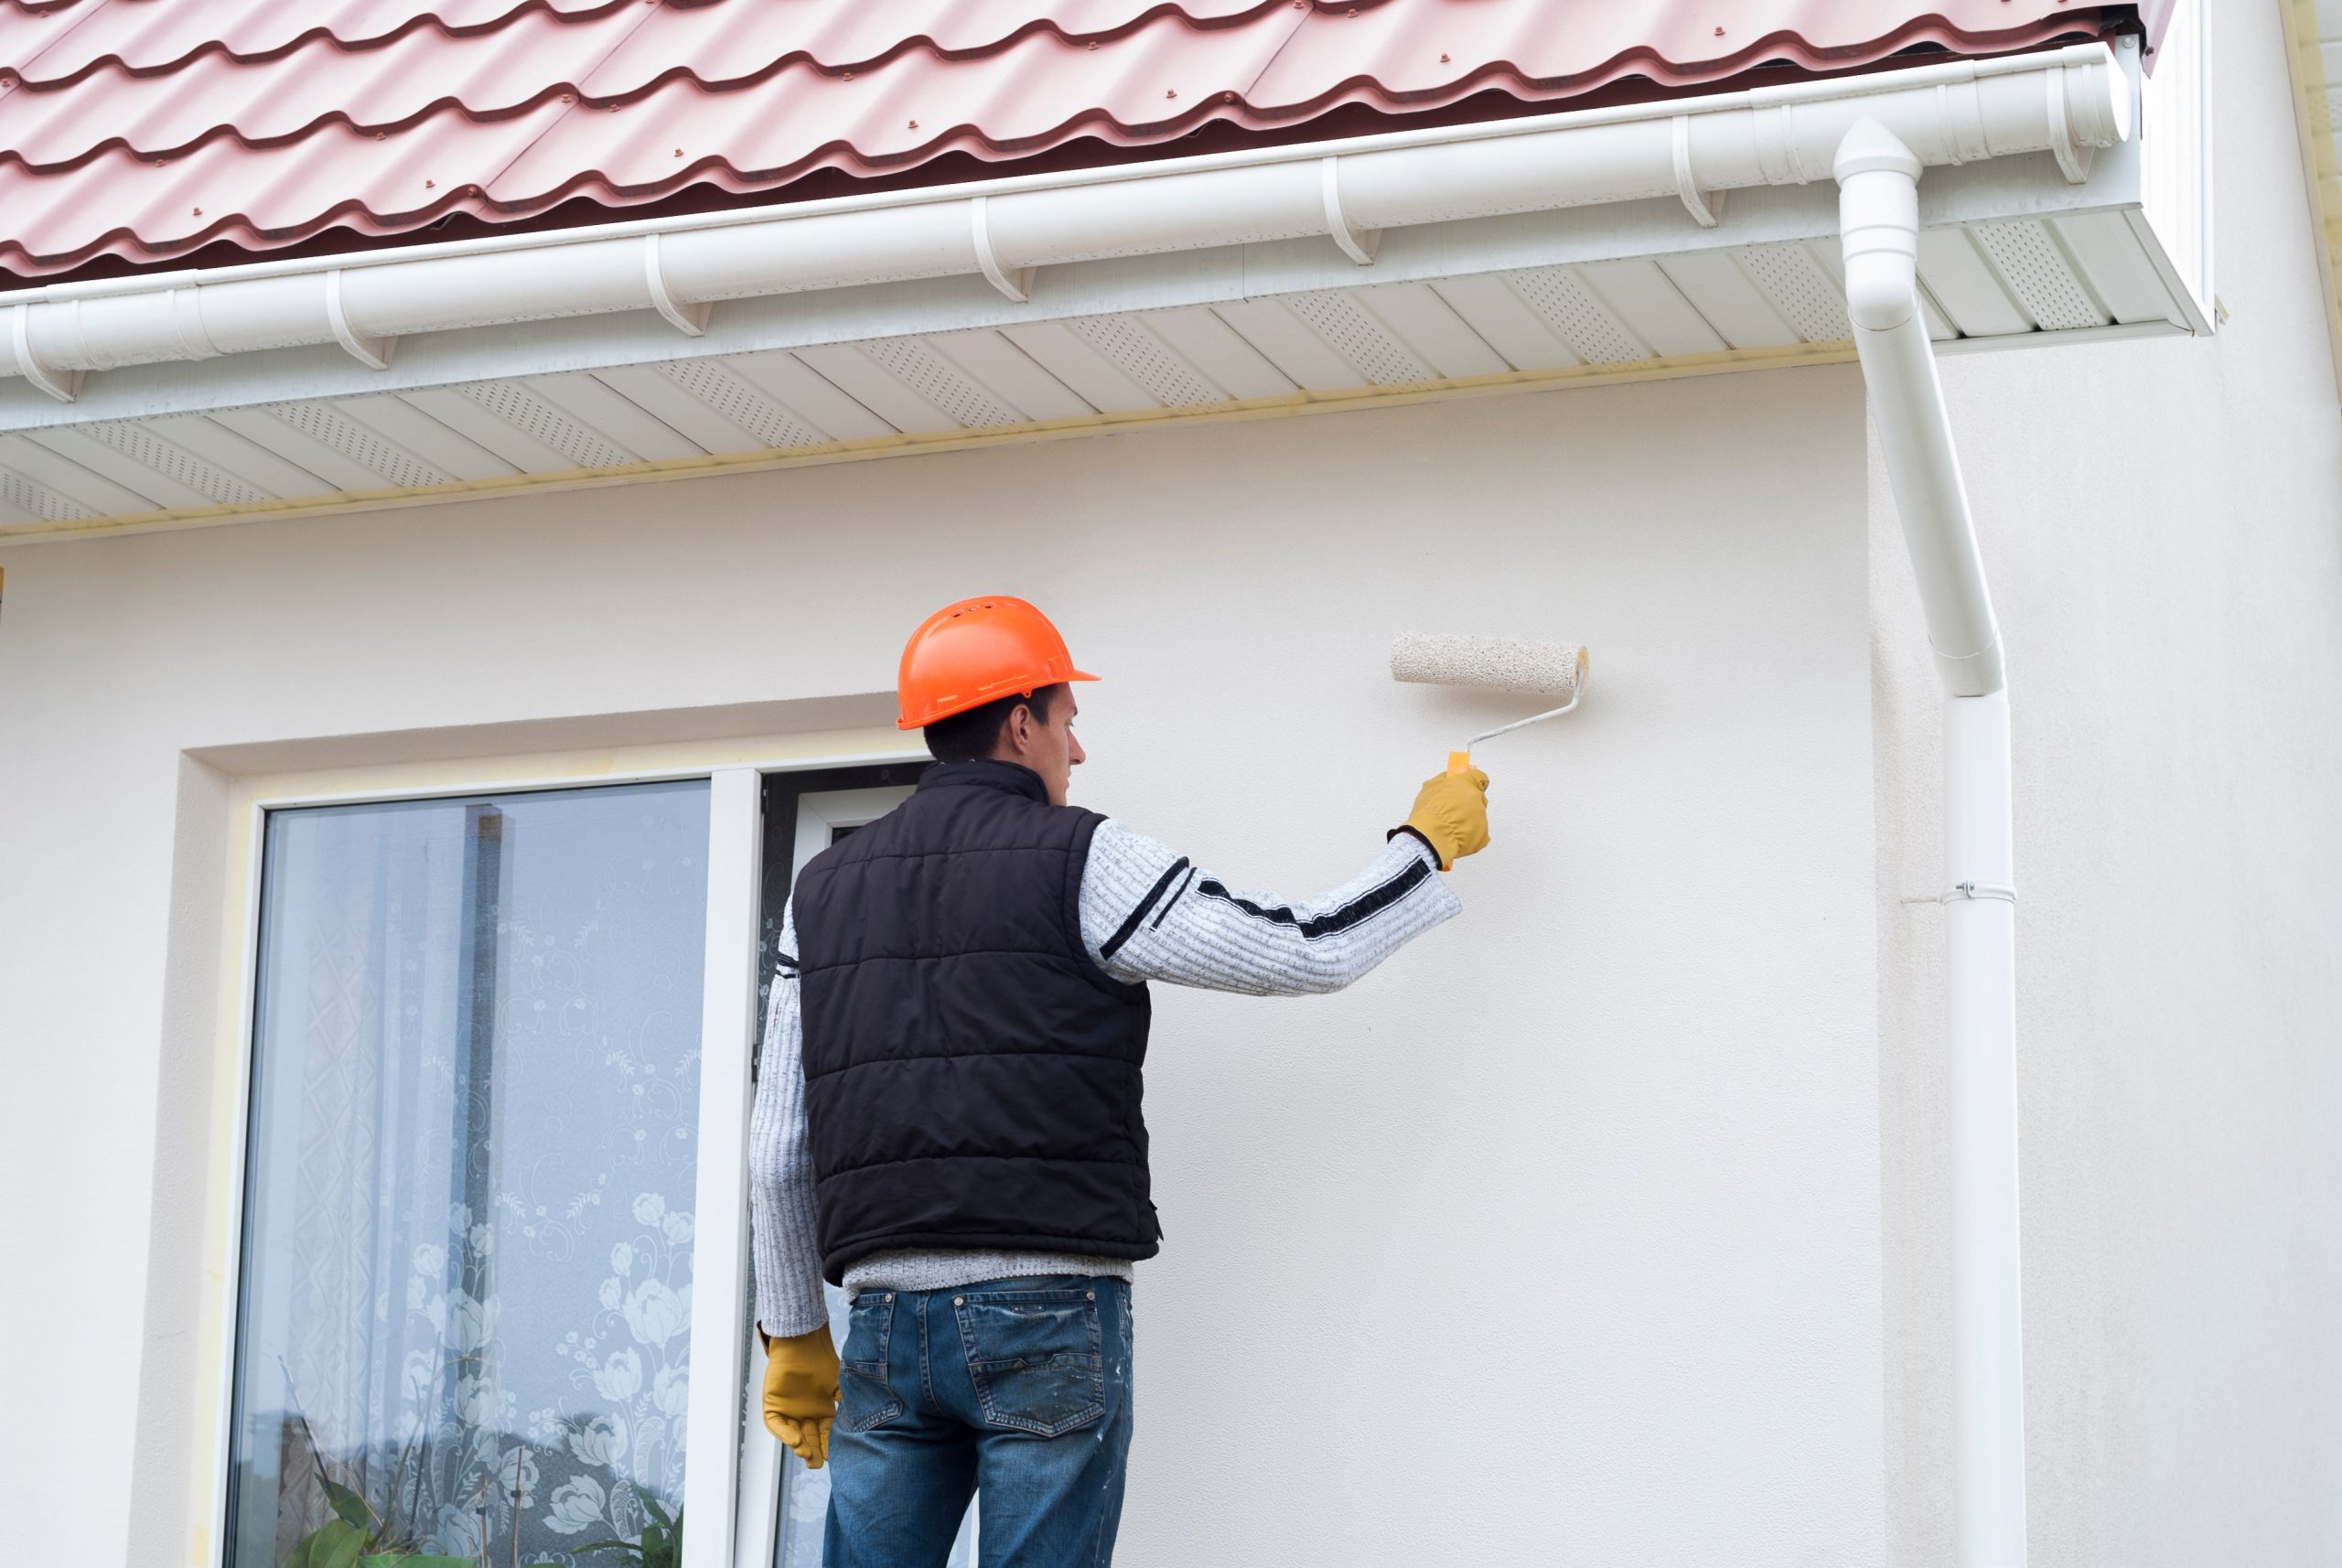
975, 733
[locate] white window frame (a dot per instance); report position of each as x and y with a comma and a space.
716, 1418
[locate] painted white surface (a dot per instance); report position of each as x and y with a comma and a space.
2172, 600
1561, 1234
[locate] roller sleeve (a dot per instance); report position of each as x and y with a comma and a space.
1497, 663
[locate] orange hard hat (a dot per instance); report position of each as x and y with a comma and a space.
978, 651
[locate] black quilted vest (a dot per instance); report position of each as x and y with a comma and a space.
971, 1079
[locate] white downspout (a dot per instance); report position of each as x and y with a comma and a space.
1878, 206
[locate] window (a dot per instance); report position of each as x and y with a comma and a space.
500, 1063
464, 1322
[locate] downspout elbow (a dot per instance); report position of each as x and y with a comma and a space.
1878, 205
1878, 222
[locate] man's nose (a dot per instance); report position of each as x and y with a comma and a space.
1073, 752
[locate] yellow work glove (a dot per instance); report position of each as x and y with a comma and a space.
802, 1393
1451, 813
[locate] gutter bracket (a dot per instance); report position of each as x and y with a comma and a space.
1707, 208
1018, 286
691, 320
1358, 244
1773, 126
374, 353
64, 387
2073, 154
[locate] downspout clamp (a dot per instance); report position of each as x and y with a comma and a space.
1878, 206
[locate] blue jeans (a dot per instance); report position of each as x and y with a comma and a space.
1018, 1388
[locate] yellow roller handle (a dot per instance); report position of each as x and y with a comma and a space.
1459, 762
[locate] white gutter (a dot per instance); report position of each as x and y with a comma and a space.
1878, 209
2063, 101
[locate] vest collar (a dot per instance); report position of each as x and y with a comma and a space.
987, 773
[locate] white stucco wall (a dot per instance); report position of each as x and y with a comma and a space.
2162, 522
1559, 1239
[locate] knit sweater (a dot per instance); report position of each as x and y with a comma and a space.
1146, 915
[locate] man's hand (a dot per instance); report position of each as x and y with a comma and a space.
1452, 814
802, 1393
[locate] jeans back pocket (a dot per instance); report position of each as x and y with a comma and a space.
1034, 1358
864, 1397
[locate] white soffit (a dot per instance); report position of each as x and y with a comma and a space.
2014, 255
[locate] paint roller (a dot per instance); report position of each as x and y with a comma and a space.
1493, 663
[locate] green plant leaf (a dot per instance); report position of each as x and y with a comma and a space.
415, 1560
347, 1504
336, 1544
651, 1507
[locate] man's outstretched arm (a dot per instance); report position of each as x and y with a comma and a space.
1148, 914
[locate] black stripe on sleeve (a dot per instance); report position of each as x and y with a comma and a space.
787, 961
1365, 906
1128, 927
1177, 894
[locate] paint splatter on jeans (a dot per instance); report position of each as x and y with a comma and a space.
1018, 1390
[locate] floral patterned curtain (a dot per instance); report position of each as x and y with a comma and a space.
465, 1310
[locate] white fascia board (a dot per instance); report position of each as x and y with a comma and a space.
2176, 177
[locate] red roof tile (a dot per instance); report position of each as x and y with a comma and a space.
148, 132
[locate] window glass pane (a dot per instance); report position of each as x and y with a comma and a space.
466, 1301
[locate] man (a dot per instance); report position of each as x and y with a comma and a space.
948, 1120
